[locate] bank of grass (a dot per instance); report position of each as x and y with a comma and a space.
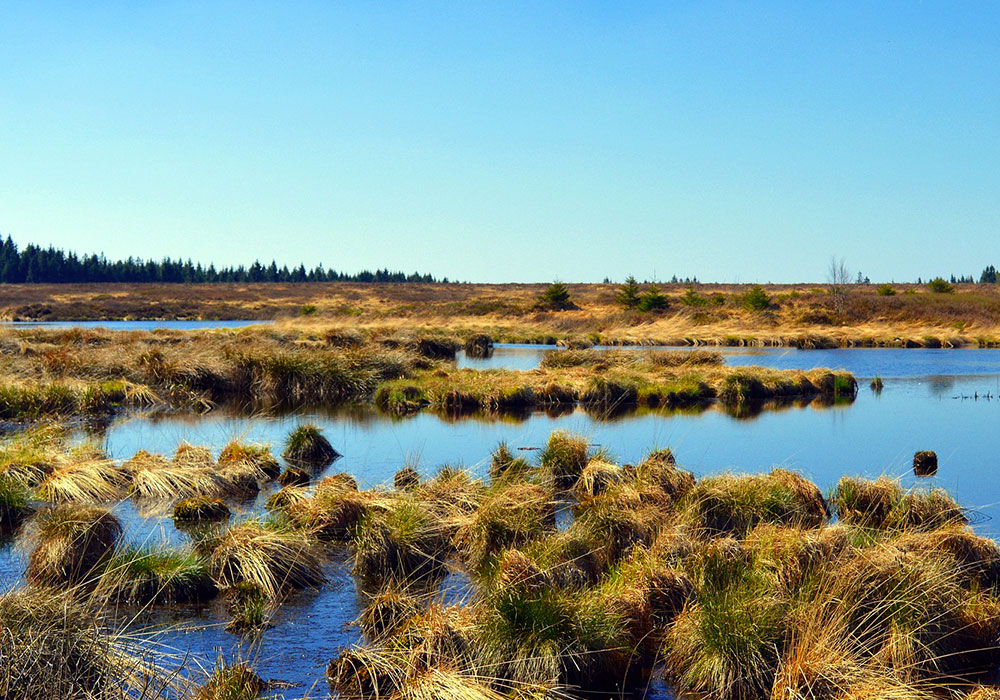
155, 575
78, 373
609, 380
804, 315
95, 372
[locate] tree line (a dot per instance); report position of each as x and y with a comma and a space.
35, 264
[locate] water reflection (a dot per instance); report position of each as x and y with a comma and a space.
865, 363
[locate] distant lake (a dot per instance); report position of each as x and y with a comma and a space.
864, 363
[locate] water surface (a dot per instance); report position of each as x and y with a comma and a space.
864, 363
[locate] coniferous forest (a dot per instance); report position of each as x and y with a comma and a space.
35, 264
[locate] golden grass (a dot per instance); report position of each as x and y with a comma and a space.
271, 557
156, 479
68, 541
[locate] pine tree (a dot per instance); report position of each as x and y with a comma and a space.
628, 294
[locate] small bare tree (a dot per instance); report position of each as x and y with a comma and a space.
839, 277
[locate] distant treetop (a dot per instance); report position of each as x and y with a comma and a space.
35, 264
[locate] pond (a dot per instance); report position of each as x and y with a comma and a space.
942, 400
864, 363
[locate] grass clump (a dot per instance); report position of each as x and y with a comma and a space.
399, 542
503, 463
883, 504
259, 456
57, 646
307, 447
406, 479
553, 637
910, 613
156, 479
596, 478
479, 345
15, 503
564, 458
726, 643
659, 470
334, 511
293, 476
734, 504
150, 575
69, 542
511, 516
231, 682
83, 474
387, 611
620, 519
266, 554
201, 509
249, 607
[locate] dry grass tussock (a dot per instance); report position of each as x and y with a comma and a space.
54, 644
69, 541
270, 556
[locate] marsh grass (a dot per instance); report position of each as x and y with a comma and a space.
83, 474
16, 503
68, 541
56, 644
264, 553
307, 447
734, 504
727, 642
293, 476
883, 505
564, 458
231, 681
153, 575
250, 609
552, 637
503, 464
200, 509
334, 511
189, 475
400, 541
406, 479
510, 516
608, 381
388, 610
238, 452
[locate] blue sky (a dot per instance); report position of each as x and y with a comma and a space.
734, 141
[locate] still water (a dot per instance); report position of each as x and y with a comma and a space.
943, 400
863, 362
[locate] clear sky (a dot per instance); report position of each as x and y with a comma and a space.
735, 141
